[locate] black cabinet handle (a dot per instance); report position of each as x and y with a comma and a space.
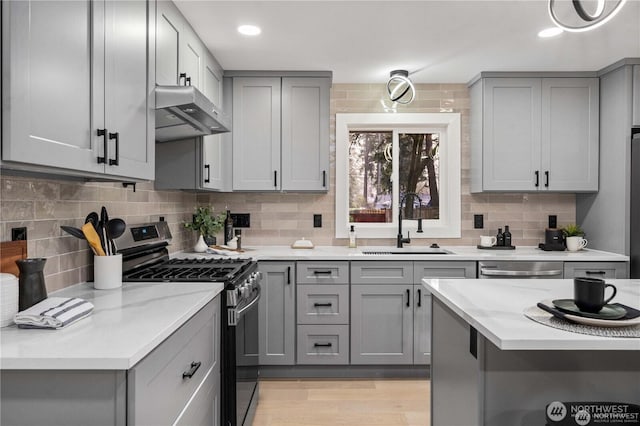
546, 178
537, 179
322, 345
322, 305
408, 298
288, 274
275, 178
473, 342
324, 178
322, 272
207, 167
595, 272
194, 367
419, 298
115, 136
103, 133
182, 75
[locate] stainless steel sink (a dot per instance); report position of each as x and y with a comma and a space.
407, 251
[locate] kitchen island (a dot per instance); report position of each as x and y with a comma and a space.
491, 365
124, 364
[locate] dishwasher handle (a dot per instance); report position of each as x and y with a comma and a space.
524, 274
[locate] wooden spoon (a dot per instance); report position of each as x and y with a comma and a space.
92, 238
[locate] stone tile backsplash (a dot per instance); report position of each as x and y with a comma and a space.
42, 205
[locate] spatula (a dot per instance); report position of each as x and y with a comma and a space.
92, 238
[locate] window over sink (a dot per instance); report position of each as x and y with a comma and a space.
382, 157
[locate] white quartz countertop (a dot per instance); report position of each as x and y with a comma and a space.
495, 308
457, 253
126, 324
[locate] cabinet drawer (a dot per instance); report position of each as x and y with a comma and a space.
322, 273
323, 344
323, 304
381, 272
443, 270
203, 408
157, 389
596, 269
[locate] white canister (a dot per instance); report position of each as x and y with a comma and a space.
8, 298
107, 272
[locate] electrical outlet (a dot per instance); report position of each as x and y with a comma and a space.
478, 221
241, 220
18, 234
317, 221
553, 221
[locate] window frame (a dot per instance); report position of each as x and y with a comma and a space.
448, 127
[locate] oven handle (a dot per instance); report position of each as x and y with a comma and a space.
250, 305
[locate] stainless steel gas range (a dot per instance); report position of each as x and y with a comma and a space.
146, 259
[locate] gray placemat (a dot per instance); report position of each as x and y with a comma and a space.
538, 315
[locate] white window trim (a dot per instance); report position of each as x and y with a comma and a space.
448, 126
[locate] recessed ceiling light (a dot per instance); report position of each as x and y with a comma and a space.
250, 30
550, 32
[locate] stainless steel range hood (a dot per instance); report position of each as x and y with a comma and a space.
184, 112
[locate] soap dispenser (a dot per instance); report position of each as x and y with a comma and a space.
352, 238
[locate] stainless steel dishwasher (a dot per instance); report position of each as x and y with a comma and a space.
520, 269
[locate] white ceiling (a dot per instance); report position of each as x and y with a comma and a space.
438, 41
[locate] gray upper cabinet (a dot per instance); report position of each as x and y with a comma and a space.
535, 134
179, 49
280, 133
81, 107
215, 153
256, 134
277, 313
305, 134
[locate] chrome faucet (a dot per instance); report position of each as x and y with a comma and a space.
400, 239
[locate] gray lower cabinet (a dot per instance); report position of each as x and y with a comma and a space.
523, 129
79, 88
277, 313
421, 325
323, 313
603, 270
177, 383
382, 324
636, 95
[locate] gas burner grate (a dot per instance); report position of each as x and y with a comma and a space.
192, 270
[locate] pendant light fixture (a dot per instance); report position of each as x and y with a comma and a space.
400, 88
586, 21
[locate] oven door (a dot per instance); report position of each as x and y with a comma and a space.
241, 366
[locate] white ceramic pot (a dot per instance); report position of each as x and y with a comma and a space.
200, 246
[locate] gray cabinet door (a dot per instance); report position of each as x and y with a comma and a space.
570, 139
421, 325
129, 85
192, 53
169, 25
446, 269
511, 134
214, 154
277, 313
386, 272
49, 83
636, 96
305, 134
256, 134
382, 324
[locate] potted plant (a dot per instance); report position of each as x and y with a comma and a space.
574, 237
207, 225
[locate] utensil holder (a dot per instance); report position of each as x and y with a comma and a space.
107, 272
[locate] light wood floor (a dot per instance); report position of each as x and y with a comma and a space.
343, 402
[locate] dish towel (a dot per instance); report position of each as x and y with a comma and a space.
54, 312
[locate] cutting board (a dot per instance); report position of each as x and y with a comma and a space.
10, 251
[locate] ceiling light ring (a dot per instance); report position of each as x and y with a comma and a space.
401, 80
594, 21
